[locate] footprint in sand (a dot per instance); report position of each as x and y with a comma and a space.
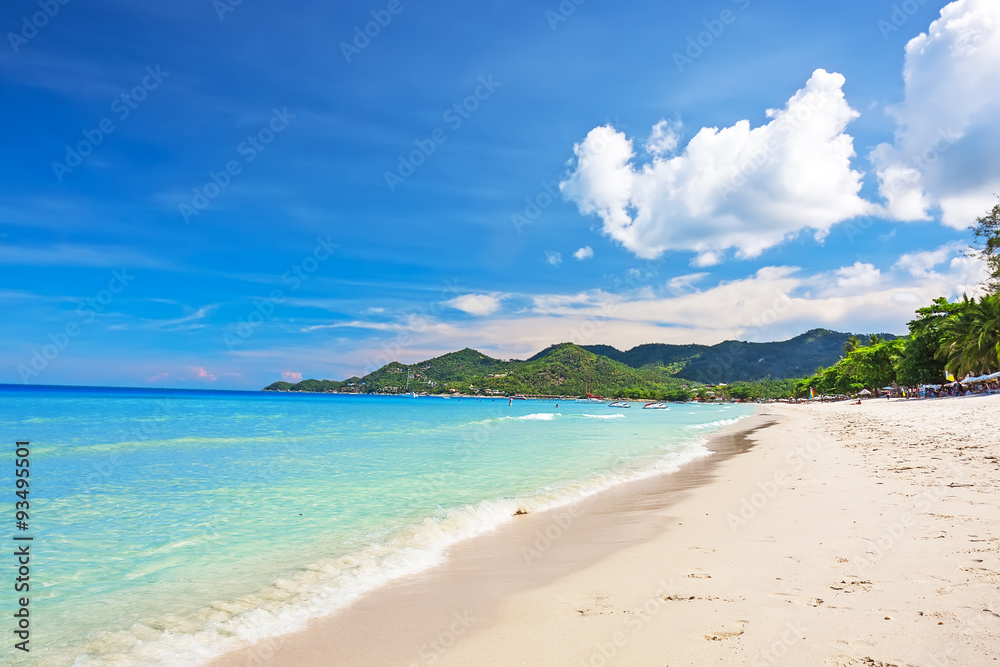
720, 635
853, 586
702, 550
699, 575
799, 599
849, 661
597, 607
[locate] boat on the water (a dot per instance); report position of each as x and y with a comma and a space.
656, 406
619, 404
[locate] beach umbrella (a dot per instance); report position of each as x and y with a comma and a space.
864, 392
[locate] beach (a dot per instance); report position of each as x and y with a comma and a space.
827, 534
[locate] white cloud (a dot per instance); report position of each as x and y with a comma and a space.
476, 304
858, 277
193, 320
947, 137
375, 310
586, 252
774, 303
553, 258
685, 282
738, 187
664, 138
920, 264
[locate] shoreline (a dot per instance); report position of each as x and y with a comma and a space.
518, 555
845, 535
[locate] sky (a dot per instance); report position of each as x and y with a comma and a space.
225, 193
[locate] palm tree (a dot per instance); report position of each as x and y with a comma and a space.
971, 338
874, 339
853, 343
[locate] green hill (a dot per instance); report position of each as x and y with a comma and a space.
560, 370
654, 370
733, 361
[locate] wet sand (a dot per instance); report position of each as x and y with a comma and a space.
415, 619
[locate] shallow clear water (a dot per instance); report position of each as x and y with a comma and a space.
171, 526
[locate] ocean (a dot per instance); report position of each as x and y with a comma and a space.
170, 526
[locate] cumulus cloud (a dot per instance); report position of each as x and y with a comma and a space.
947, 137
291, 376
921, 264
553, 258
858, 277
586, 252
773, 303
664, 138
741, 187
476, 304
950, 266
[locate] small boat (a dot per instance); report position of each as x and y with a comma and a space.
656, 406
412, 394
619, 404
519, 397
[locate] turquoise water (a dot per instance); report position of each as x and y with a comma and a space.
170, 526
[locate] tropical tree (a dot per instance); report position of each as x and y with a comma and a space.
874, 339
921, 363
971, 337
874, 365
987, 231
852, 343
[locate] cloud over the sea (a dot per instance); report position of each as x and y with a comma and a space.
947, 139
773, 303
740, 187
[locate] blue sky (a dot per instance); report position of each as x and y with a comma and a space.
202, 194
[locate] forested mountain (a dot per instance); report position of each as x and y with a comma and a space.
732, 361
654, 370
